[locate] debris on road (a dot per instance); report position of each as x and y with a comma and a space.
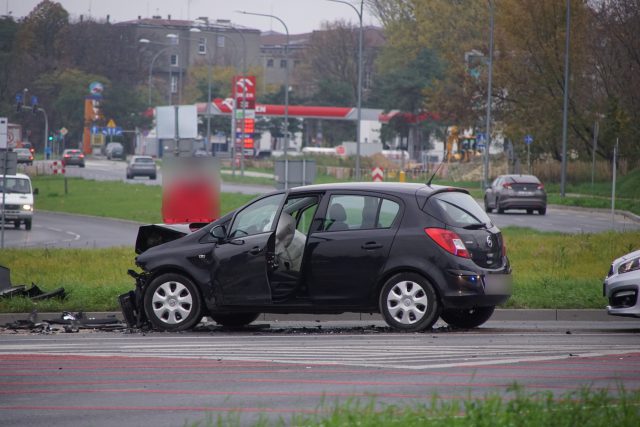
8, 290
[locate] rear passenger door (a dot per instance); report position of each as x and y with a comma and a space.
350, 246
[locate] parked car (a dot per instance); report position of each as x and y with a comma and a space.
72, 156
516, 192
622, 286
411, 252
115, 150
141, 166
24, 155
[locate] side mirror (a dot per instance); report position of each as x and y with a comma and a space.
35, 191
219, 232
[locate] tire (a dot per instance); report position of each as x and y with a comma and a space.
82, 165
529, 211
234, 320
172, 303
542, 211
487, 208
408, 302
499, 208
129, 176
16, 224
467, 318
152, 177
27, 224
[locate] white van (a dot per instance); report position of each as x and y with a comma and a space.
18, 200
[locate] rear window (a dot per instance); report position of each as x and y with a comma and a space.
457, 209
144, 160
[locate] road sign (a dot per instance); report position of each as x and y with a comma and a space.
528, 139
64, 131
340, 150
480, 145
95, 130
480, 136
4, 129
11, 162
111, 124
377, 174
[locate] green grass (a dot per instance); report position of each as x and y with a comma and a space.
584, 408
113, 199
550, 270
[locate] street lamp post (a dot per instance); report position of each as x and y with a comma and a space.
485, 175
563, 174
359, 102
286, 93
153, 60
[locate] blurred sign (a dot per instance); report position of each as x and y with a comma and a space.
528, 139
64, 131
111, 124
186, 117
340, 150
11, 159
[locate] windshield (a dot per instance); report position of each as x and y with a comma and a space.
16, 185
459, 209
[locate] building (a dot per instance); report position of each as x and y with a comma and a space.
173, 46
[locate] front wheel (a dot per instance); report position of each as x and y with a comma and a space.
468, 317
172, 303
234, 320
27, 224
487, 208
408, 302
542, 211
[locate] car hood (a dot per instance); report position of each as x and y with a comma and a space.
17, 198
158, 234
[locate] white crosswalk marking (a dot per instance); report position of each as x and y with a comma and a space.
385, 351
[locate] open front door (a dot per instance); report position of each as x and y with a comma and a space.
241, 262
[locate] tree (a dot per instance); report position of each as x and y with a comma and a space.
8, 30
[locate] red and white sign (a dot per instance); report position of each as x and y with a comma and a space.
340, 150
57, 167
244, 87
377, 174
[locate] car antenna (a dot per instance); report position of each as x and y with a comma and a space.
434, 174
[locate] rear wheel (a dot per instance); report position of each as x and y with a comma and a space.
529, 211
27, 224
467, 317
408, 302
152, 177
234, 320
499, 208
16, 224
542, 211
172, 303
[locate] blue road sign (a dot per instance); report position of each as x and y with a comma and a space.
480, 145
528, 139
480, 136
95, 130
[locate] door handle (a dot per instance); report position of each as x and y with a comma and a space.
371, 245
255, 250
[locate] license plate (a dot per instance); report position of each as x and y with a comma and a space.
497, 284
525, 193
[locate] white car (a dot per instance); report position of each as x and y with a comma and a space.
622, 286
141, 166
18, 204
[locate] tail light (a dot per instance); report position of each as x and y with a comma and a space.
66, 156
507, 185
540, 186
449, 241
30, 157
82, 156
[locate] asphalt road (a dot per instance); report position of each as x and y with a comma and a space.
111, 378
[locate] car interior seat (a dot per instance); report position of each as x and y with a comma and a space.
369, 212
285, 230
337, 217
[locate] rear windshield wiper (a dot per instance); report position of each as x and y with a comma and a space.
476, 226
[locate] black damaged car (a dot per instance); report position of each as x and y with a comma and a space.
412, 252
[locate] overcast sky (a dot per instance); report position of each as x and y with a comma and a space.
300, 16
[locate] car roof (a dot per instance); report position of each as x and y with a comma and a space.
392, 187
19, 175
520, 178
21, 149
141, 157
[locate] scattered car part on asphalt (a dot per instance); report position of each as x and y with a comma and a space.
8, 290
412, 252
621, 287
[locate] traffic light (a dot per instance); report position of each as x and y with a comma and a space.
34, 104
19, 101
50, 138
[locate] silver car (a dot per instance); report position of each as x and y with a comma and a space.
516, 192
622, 286
141, 166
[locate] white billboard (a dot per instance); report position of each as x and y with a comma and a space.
186, 116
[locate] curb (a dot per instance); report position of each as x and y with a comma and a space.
513, 315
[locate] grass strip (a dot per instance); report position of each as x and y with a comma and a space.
550, 270
585, 408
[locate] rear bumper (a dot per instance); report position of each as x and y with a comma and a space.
523, 203
467, 289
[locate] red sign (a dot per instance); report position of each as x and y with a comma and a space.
377, 174
244, 87
340, 151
